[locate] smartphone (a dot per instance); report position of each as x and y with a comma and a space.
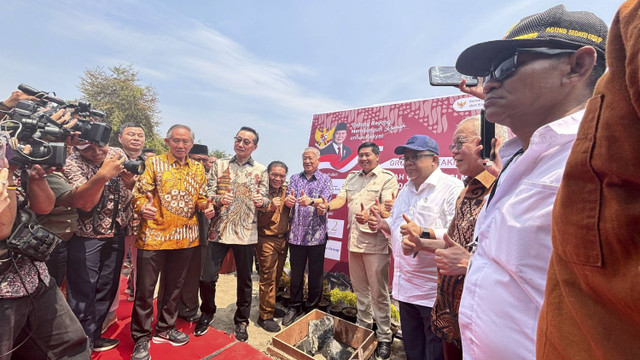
487, 133
449, 76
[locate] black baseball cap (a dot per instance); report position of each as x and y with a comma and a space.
555, 28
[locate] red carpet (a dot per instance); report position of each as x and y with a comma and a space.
215, 344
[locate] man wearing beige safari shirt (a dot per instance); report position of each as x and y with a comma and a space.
369, 257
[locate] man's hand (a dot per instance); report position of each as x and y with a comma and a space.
148, 210
112, 166
410, 242
474, 90
209, 211
375, 219
37, 173
275, 203
257, 199
322, 206
494, 164
362, 216
304, 200
410, 225
16, 96
388, 205
227, 198
290, 200
452, 260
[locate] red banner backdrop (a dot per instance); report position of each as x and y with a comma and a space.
388, 126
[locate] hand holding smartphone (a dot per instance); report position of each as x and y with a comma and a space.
449, 76
487, 133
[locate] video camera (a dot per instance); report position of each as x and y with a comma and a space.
38, 139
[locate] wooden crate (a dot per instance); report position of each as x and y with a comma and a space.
359, 338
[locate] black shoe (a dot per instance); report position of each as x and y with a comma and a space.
279, 313
241, 332
203, 324
104, 344
383, 350
190, 318
291, 316
269, 325
173, 337
141, 351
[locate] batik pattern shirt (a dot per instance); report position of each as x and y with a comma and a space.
78, 171
307, 227
237, 222
177, 190
444, 317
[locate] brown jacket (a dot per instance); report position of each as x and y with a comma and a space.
592, 300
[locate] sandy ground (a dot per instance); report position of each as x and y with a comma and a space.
258, 338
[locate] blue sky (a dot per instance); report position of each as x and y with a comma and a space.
218, 65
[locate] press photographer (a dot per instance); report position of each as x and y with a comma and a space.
37, 322
101, 193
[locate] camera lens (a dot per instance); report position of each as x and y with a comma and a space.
134, 166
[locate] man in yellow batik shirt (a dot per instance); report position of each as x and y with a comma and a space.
166, 196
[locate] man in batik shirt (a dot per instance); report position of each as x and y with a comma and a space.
308, 237
167, 196
238, 186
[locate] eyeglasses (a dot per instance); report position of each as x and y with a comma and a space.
246, 142
458, 143
505, 68
413, 158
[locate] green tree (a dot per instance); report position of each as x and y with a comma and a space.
119, 93
220, 154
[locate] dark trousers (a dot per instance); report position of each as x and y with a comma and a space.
420, 343
243, 255
57, 334
57, 263
173, 265
298, 257
93, 274
189, 300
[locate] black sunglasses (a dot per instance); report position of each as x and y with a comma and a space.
505, 68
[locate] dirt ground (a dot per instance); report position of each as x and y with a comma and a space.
258, 338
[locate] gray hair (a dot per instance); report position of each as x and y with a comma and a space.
180, 126
501, 131
313, 150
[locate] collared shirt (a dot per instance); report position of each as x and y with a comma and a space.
504, 286
360, 188
432, 206
177, 190
237, 222
307, 227
276, 222
444, 318
78, 171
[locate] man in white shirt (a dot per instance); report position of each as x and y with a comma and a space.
537, 82
426, 204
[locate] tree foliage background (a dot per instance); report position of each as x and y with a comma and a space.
119, 93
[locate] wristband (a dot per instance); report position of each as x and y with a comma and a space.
313, 201
425, 234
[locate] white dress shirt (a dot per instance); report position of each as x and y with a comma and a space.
415, 280
504, 287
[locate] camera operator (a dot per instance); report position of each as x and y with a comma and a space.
102, 194
34, 311
132, 138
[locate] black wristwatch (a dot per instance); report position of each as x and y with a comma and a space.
425, 234
313, 201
